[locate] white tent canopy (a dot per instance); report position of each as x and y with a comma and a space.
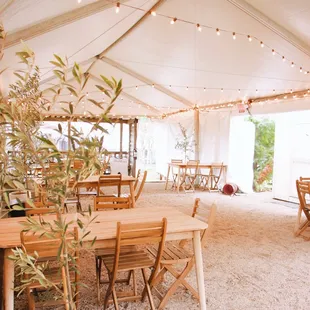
179, 60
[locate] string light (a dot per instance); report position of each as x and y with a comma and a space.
283, 58
186, 87
273, 52
234, 35
118, 5
173, 21
204, 89
153, 85
239, 91
222, 90
218, 31
291, 91
292, 64
136, 87
153, 13
170, 86
262, 44
79, 1
199, 27
249, 38
300, 69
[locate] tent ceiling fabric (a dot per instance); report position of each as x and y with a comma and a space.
176, 55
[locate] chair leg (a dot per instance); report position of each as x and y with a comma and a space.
115, 299
175, 285
148, 289
98, 276
106, 298
31, 302
134, 282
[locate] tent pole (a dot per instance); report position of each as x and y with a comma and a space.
196, 134
121, 140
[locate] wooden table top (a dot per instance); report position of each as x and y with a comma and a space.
183, 165
104, 226
95, 179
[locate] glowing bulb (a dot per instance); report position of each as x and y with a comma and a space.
122, 98
153, 13
222, 90
234, 35
118, 5
262, 44
173, 21
250, 38
274, 90
79, 1
283, 58
256, 91
239, 90
87, 94
153, 85
204, 89
273, 52
136, 87
218, 31
170, 86
291, 91
292, 64
199, 27
300, 69
186, 87
306, 72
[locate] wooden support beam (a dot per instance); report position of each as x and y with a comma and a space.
124, 35
48, 25
146, 81
135, 151
197, 134
5, 6
130, 97
121, 140
281, 31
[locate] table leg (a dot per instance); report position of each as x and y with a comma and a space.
8, 281
179, 178
199, 270
132, 194
167, 180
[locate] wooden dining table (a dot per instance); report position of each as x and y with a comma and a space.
92, 182
179, 226
181, 166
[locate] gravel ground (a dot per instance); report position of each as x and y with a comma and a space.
252, 260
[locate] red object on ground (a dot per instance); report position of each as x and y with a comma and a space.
230, 189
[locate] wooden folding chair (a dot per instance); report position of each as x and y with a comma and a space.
137, 179
111, 202
176, 254
41, 208
205, 177
47, 249
110, 180
175, 173
139, 191
216, 174
190, 175
303, 189
131, 235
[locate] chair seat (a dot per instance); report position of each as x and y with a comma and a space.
171, 254
86, 193
53, 275
111, 251
129, 261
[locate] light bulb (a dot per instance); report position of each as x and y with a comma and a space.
222, 90
153, 13
283, 58
118, 5
199, 27
218, 31
173, 21
204, 89
186, 87
300, 69
273, 52
250, 38
274, 90
292, 64
262, 44
239, 91
291, 91
153, 85
256, 91
79, 1
170, 86
234, 35
136, 87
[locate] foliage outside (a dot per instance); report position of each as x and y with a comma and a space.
263, 153
186, 143
23, 145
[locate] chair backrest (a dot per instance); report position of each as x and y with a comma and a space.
304, 179
78, 164
141, 185
137, 179
39, 209
192, 167
139, 234
110, 180
303, 188
207, 215
217, 169
111, 203
47, 247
